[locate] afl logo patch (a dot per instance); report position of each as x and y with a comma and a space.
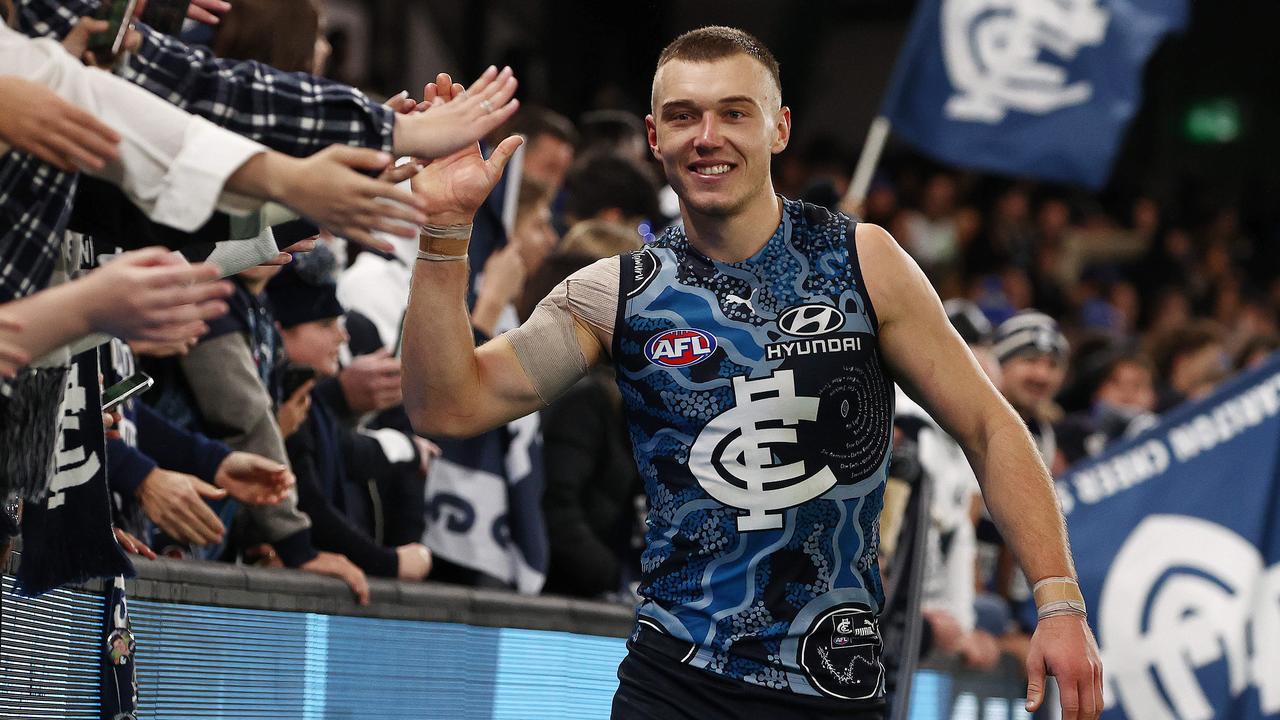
680, 348
810, 320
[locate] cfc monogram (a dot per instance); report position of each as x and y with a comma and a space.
733, 458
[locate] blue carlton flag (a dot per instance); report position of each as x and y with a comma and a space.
1176, 535
1027, 87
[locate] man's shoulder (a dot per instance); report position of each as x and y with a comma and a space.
816, 215
818, 228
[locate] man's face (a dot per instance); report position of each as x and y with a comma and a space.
535, 237
547, 160
1030, 380
1130, 387
715, 127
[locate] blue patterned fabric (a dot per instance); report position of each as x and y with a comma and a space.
760, 414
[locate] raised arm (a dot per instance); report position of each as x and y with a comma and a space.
933, 365
294, 113
451, 387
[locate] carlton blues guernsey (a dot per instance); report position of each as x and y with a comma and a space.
760, 414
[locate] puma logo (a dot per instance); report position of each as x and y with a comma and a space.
731, 298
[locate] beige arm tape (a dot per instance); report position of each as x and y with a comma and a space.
1056, 589
547, 344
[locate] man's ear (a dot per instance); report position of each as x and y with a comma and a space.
782, 128
651, 130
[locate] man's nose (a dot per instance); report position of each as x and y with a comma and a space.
709, 132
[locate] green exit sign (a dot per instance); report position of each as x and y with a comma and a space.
1213, 121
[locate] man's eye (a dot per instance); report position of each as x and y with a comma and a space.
736, 114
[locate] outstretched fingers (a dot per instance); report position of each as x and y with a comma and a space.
501, 155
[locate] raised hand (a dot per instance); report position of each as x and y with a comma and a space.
12, 356
77, 41
253, 479
448, 127
162, 349
396, 174
327, 189
37, 121
175, 502
452, 188
293, 411
371, 382
204, 11
153, 294
401, 103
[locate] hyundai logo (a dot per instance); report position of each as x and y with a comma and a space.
810, 320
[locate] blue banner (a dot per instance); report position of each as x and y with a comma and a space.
1040, 88
1176, 535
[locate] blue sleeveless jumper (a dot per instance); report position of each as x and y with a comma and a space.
760, 414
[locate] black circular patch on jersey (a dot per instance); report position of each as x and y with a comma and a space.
840, 653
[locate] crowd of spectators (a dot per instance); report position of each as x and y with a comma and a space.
1092, 322
275, 433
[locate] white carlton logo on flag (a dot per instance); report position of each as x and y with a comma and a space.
999, 54
1182, 594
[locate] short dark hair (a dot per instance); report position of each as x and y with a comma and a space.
605, 130
1184, 340
716, 42
603, 180
533, 122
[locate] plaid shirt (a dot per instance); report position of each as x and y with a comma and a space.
35, 202
293, 113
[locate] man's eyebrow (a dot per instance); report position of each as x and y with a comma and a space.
677, 103
730, 100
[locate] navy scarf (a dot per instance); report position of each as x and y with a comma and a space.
67, 535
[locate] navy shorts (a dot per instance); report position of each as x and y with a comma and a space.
652, 686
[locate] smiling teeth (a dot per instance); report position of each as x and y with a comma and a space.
714, 170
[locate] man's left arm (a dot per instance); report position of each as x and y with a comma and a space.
933, 365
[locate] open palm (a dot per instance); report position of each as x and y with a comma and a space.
454, 186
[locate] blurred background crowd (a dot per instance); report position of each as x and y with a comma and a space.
1092, 312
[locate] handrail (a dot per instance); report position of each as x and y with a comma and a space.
228, 585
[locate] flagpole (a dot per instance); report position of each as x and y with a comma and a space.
877, 135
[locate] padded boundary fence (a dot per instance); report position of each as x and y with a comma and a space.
225, 641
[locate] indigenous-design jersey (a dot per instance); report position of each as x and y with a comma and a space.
760, 414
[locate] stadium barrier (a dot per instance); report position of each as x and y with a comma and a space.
226, 641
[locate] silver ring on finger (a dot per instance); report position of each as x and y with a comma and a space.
488, 106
